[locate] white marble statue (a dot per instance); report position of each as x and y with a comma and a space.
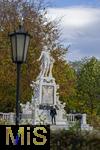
46, 63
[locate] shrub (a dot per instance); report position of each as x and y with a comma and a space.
72, 140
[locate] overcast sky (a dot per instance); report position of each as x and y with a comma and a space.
80, 26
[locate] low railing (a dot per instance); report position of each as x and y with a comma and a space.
5, 116
11, 117
70, 117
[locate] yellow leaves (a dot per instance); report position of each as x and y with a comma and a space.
44, 33
65, 77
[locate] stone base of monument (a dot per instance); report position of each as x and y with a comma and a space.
38, 110
45, 96
43, 117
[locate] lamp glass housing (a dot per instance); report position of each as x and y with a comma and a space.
19, 45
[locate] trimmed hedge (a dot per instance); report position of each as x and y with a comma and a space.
72, 140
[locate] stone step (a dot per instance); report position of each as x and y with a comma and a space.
58, 127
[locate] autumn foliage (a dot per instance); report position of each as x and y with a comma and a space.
43, 32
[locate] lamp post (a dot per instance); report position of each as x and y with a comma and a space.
19, 46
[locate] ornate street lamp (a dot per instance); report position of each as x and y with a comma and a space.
19, 46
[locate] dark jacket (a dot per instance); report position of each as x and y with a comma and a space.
53, 112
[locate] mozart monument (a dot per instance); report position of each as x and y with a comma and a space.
45, 92
45, 97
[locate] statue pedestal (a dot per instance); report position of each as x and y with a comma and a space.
45, 96
47, 91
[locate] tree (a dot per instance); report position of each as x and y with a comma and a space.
44, 32
78, 64
88, 82
66, 78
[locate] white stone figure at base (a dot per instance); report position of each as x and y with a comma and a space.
46, 63
26, 108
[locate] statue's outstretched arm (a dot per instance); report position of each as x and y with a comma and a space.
40, 56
